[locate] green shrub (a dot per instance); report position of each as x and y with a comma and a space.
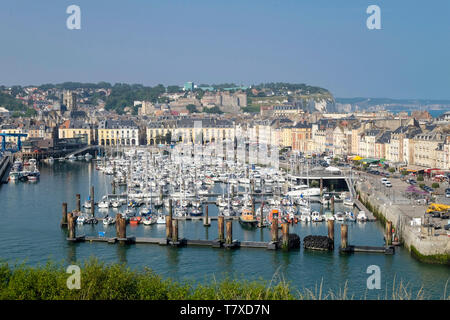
435, 185
420, 177
391, 170
421, 185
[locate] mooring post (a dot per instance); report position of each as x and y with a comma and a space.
229, 238
170, 208
285, 234
220, 221
331, 230
78, 202
206, 222
388, 233
64, 215
71, 225
168, 227
92, 201
253, 205
161, 194
332, 204
114, 187
344, 235
261, 220
321, 188
118, 217
274, 229
175, 230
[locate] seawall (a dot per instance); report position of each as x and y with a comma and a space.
423, 245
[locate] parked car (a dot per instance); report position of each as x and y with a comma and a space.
388, 184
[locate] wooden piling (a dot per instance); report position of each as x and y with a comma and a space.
321, 187
220, 221
253, 205
229, 236
206, 221
169, 227
121, 227
64, 215
71, 225
274, 230
170, 208
261, 220
388, 233
344, 235
285, 235
175, 230
92, 201
78, 197
332, 204
330, 224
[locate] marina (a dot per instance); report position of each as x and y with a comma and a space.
198, 255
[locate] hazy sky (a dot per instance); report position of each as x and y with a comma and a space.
318, 42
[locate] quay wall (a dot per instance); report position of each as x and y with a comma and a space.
423, 246
5, 163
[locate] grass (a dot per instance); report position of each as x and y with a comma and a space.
118, 282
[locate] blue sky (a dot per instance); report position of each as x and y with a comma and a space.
318, 42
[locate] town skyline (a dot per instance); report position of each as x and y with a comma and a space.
327, 46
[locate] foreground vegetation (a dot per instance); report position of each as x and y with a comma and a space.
103, 282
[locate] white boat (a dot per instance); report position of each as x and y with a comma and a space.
316, 217
305, 217
147, 221
161, 219
340, 217
306, 192
72, 158
361, 217
81, 220
104, 204
116, 204
87, 204
348, 202
109, 220
349, 216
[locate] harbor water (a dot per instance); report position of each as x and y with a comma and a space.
30, 232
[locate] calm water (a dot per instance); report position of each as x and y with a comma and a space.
30, 214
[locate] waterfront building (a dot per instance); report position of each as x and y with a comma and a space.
118, 132
78, 129
426, 146
202, 130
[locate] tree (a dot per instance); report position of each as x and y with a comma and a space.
391, 170
213, 110
192, 108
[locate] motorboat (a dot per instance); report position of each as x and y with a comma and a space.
348, 202
196, 212
109, 220
247, 218
104, 204
305, 217
340, 217
116, 204
316, 217
361, 217
350, 216
161, 219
